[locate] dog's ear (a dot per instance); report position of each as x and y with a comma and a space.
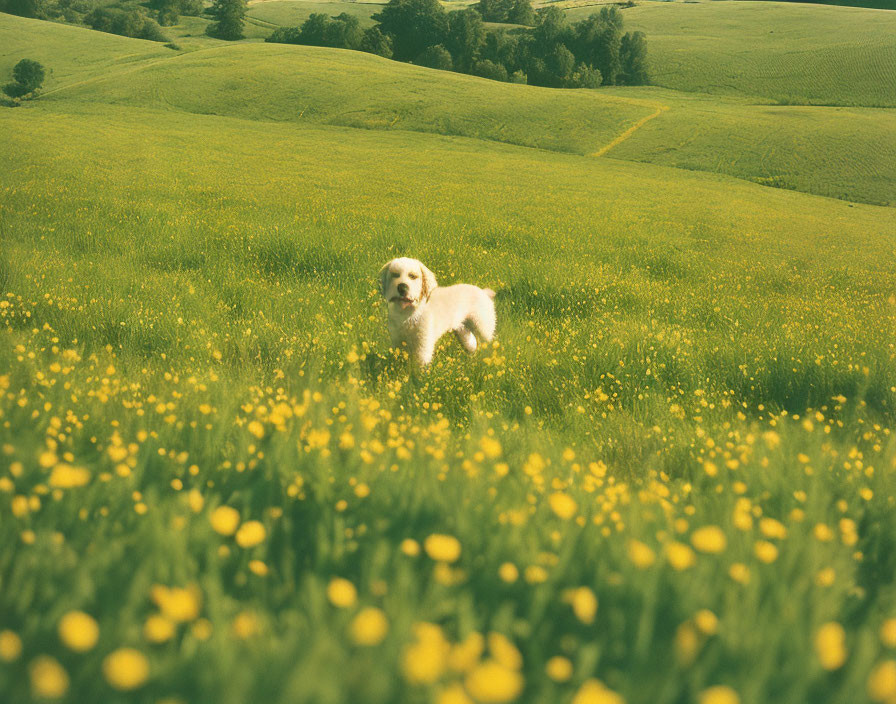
429, 281
381, 278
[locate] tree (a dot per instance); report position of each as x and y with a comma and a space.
551, 30
597, 41
375, 42
413, 25
228, 15
29, 74
344, 32
585, 77
436, 57
521, 12
25, 8
501, 48
466, 35
489, 69
560, 64
633, 59
169, 12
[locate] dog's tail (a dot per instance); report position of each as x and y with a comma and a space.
488, 292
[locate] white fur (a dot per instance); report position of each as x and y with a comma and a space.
421, 311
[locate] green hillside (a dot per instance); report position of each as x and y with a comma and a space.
833, 151
292, 13
333, 86
782, 52
70, 53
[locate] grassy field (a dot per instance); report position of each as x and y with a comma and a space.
292, 13
670, 479
833, 151
781, 52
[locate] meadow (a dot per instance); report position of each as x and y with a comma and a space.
669, 480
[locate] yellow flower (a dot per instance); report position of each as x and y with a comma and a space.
158, 629
687, 643
508, 572
641, 555
126, 668
225, 520
258, 567
881, 683
583, 602
10, 646
490, 447
250, 534
342, 593
49, 680
445, 548
709, 539
720, 694
178, 604
410, 547
424, 661
707, 622
256, 429
830, 645
766, 551
559, 668
465, 655
196, 500
593, 691
65, 476
245, 625
369, 627
888, 633
563, 505
78, 631
771, 528
453, 694
493, 682
739, 572
680, 556
504, 652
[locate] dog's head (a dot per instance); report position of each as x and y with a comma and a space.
406, 283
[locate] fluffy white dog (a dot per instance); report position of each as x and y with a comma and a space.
421, 311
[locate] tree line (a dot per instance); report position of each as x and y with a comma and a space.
550, 52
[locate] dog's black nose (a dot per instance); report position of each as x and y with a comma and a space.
402, 289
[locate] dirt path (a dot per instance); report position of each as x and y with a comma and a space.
631, 130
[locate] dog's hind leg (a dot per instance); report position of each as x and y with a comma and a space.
466, 338
482, 320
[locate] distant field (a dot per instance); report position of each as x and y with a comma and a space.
332, 86
70, 53
292, 13
840, 152
782, 52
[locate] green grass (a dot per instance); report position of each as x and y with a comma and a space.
833, 151
69, 53
188, 314
780, 52
292, 13
333, 86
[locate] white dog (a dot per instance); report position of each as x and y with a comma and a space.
420, 311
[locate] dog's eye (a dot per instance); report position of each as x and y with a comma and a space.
412, 276
395, 274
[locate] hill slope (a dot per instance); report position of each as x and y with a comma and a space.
333, 86
833, 151
783, 52
69, 53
